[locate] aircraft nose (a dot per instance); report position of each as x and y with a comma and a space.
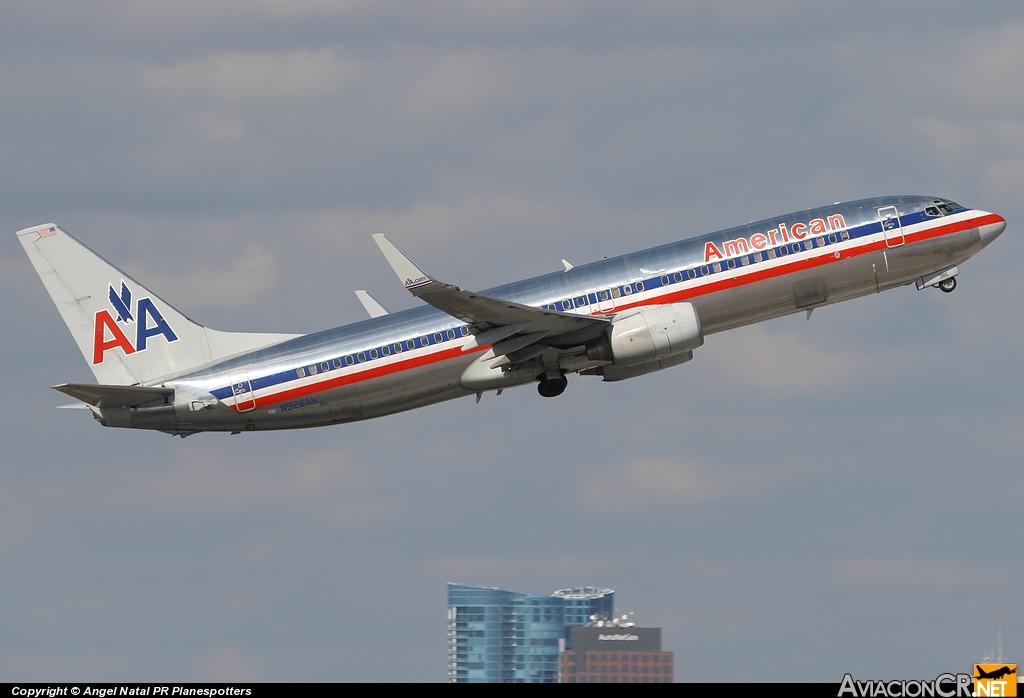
991, 231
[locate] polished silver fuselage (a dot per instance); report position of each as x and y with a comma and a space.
286, 385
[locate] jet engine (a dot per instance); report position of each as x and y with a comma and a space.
649, 333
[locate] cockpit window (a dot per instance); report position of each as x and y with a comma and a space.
942, 208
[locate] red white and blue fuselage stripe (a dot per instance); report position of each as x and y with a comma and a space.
682, 271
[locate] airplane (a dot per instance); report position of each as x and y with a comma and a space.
994, 674
615, 318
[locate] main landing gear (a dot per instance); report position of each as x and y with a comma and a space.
552, 387
947, 285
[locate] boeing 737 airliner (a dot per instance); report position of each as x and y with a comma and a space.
616, 318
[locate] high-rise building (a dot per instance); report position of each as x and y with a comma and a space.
499, 636
615, 654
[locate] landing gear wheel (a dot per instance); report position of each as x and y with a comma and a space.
553, 387
947, 285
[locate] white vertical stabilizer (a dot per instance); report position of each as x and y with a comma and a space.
127, 334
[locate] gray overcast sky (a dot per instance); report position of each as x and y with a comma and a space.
802, 500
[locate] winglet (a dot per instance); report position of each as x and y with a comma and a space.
370, 304
411, 276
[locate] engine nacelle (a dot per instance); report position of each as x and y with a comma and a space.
649, 333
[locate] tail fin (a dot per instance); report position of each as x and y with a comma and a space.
127, 334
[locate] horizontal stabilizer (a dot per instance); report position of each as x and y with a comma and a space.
114, 395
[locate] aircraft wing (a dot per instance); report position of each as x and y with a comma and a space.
484, 312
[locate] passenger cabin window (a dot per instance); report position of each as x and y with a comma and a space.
664, 281
678, 277
616, 292
771, 254
758, 257
566, 305
451, 334
325, 367
373, 354
820, 242
464, 330
581, 301
300, 372
362, 357
337, 363
691, 273
603, 295
349, 360
312, 370
831, 237
411, 344
386, 351
845, 235
639, 286
716, 267
398, 347
424, 341
731, 264
744, 260
808, 244
627, 289
704, 271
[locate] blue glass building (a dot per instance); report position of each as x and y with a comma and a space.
498, 636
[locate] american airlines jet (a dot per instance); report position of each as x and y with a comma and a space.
617, 318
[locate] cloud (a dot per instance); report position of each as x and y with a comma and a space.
246, 278
912, 573
206, 481
502, 571
227, 664
792, 362
988, 68
641, 481
456, 87
212, 126
237, 76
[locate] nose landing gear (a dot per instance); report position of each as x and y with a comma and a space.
552, 387
947, 285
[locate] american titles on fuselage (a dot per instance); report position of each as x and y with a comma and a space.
776, 236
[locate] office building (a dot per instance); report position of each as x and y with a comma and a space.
498, 636
615, 654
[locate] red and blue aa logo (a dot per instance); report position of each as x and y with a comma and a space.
148, 323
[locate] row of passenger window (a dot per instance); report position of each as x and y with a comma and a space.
696, 272
380, 352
